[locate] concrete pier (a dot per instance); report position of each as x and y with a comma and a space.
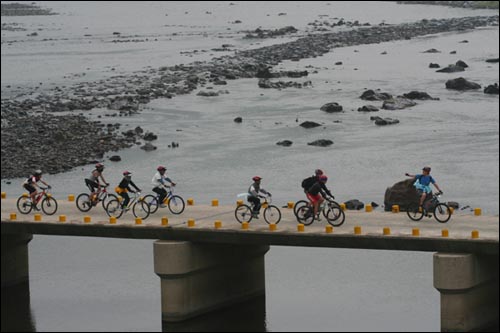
197, 278
15, 267
468, 284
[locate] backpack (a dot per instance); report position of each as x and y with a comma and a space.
308, 182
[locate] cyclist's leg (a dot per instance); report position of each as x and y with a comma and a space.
255, 204
126, 198
162, 193
32, 192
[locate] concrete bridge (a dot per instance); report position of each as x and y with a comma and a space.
206, 260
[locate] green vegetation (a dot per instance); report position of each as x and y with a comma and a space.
486, 4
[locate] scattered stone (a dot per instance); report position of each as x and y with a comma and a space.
321, 143
371, 95
461, 84
368, 108
309, 124
331, 107
398, 103
238, 120
420, 95
285, 143
384, 121
434, 65
491, 89
115, 158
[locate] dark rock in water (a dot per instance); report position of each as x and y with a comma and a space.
150, 136
148, 147
491, 89
115, 158
321, 143
207, 93
264, 73
433, 65
402, 193
461, 63
309, 124
368, 108
451, 69
398, 103
432, 51
384, 121
371, 95
494, 60
338, 63
238, 120
374, 204
285, 143
331, 107
420, 95
461, 84
354, 204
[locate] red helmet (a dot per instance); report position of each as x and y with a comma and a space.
127, 173
161, 168
323, 178
256, 178
318, 172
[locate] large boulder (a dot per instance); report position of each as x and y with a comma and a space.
461, 84
354, 204
402, 193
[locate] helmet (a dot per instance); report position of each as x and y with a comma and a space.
427, 169
256, 178
318, 172
323, 178
161, 168
127, 173
99, 166
38, 172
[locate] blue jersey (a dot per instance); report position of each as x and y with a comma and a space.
422, 183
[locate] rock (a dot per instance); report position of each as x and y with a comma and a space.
149, 136
285, 143
461, 84
433, 65
493, 60
338, 63
368, 108
462, 64
402, 193
309, 124
354, 204
398, 103
148, 147
207, 93
331, 107
321, 143
384, 121
371, 95
420, 95
491, 89
115, 158
432, 51
238, 120
453, 204
451, 69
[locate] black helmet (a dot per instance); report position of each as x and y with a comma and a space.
427, 168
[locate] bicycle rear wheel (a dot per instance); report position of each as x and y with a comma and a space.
305, 215
415, 212
83, 202
243, 213
114, 209
442, 213
141, 209
49, 205
24, 205
152, 201
176, 204
107, 199
335, 216
299, 204
272, 214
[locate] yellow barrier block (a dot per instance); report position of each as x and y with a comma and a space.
272, 227
452, 210
215, 202
445, 233
300, 227
190, 201
368, 208
191, 223
244, 225
477, 211
112, 220
265, 204
71, 197
4, 195
357, 230
342, 206
38, 217
25, 195
164, 220
13, 216
474, 234
239, 203
395, 208
387, 231
138, 220
49, 195
218, 224
87, 219
291, 204
415, 232
328, 229
62, 218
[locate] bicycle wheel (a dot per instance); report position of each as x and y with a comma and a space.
335, 215
108, 197
176, 204
442, 212
299, 204
305, 215
114, 209
415, 212
141, 209
272, 214
49, 205
243, 213
83, 202
24, 205
152, 201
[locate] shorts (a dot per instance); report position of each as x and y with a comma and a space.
30, 188
314, 198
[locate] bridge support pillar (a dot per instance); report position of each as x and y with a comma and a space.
468, 284
200, 277
15, 268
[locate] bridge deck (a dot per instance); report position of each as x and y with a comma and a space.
460, 227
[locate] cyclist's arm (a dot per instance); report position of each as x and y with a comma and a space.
103, 180
409, 175
135, 186
45, 183
326, 190
437, 186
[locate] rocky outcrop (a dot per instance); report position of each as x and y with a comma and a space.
402, 193
462, 84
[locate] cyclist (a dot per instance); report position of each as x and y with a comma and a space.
159, 182
30, 184
93, 182
254, 196
317, 193
124, 187
422, 183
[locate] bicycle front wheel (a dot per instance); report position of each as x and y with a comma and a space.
243, 213
24, 205
107, 199
141, 209
299, 204
415, 212
176, 204
272, 214
83, 202
152, 201
335, 216
305, 215
49, 205
114, 209
442, 213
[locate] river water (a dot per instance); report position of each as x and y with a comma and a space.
91, 284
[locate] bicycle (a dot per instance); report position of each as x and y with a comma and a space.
139, 207
272, 214
48, 203
175, 203
304, 212
84, 203
431, 206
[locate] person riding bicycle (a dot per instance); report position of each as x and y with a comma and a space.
124, 187
93, 182
159, 182
422, 183
310, 181
254, 196
30, 184
317, 193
